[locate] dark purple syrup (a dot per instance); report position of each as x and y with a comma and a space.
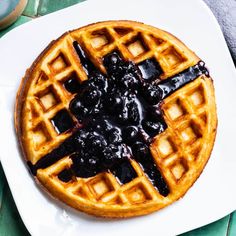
124, 172
72, 84
65, 175
88, 66
150, 69
62, 121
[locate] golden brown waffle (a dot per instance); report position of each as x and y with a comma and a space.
181, 151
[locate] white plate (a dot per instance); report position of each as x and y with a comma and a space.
212, 196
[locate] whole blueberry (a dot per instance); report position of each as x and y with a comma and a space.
91, 96
130, 134
114, 102
112, 62
153, 128
155, 113
78, 109
152, 93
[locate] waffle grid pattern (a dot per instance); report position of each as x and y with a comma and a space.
175, 151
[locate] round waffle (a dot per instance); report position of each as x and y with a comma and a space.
181, 151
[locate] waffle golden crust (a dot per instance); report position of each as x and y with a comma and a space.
181, 151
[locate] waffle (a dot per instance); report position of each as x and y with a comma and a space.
180, 152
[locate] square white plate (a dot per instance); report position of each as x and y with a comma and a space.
211, 197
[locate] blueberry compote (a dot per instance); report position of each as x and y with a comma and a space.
62, 121
119, 114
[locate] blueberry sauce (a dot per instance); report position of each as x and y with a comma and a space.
72, 84
119, 117
150, 69
62, 121
143, 155
88, 66
170, 85
124, 172
65, 175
